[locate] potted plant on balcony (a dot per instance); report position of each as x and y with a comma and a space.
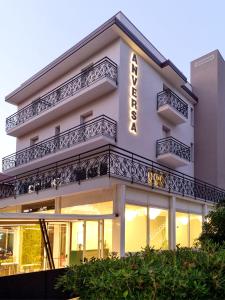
31, 188
103, 168
55, 182
23, 187
37, 186
80, 174
47, 182
92, 172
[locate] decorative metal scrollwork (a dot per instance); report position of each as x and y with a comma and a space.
169, 97
172, 145
100, 126
114, 162
103, 68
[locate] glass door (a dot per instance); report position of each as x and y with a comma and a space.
94, 237
87, 240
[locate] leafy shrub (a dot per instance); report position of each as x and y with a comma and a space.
181, 274
213, 229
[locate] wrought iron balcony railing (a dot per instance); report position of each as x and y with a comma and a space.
169, 97
105, 68
173, 146
113, 162
100, 126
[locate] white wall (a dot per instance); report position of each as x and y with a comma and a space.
108, 104
149, 123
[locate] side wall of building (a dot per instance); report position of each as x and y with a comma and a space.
149, 123
208, 78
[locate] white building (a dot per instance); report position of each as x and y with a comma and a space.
105, 155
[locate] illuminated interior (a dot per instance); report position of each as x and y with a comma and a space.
188, 228
158, 224
136, 228
100, 208
39, 207
7, 245
90, 239
22, 248
195, 227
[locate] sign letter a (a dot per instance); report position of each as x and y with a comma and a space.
134, 58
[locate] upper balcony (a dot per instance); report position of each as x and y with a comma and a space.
94, 133
172, 107
173, 153
88, 85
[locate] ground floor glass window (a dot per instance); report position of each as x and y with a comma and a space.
188, 228
135, 228
158, 228
141, 221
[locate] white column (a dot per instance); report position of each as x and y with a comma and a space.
57, 235
19, 208
56, 245
122, 219
118, 230
204, 211
58, 205
172, 223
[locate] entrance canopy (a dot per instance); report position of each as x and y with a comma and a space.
25, 218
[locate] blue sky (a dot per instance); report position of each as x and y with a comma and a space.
34, 32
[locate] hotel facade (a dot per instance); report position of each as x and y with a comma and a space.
110, 139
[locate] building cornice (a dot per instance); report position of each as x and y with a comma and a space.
115, 20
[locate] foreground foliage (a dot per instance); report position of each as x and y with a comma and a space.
181, 274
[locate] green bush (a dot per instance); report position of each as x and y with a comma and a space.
181, 274
213, 229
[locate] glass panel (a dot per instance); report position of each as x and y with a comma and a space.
182, 223
32, 252
195, 227
91, 239
135, 228
100, 208
62, 258
107, 237
77, 243
158, 224
8, 250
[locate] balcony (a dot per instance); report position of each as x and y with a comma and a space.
114, 163
171, 107
94, 133
173, 153
99, 79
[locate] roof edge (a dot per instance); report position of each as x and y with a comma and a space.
190, 93
113, 20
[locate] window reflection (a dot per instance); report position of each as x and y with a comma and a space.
188, 228
158, 223
135, 227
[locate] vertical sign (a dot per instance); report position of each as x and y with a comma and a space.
133, 99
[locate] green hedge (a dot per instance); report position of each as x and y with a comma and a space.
181, 274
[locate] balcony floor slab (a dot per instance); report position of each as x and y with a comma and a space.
172, 160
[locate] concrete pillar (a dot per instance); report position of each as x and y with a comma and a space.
57, 235
172, 223
56, 245
18, 208
204, 211
58, 205
118, 230
122, 219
